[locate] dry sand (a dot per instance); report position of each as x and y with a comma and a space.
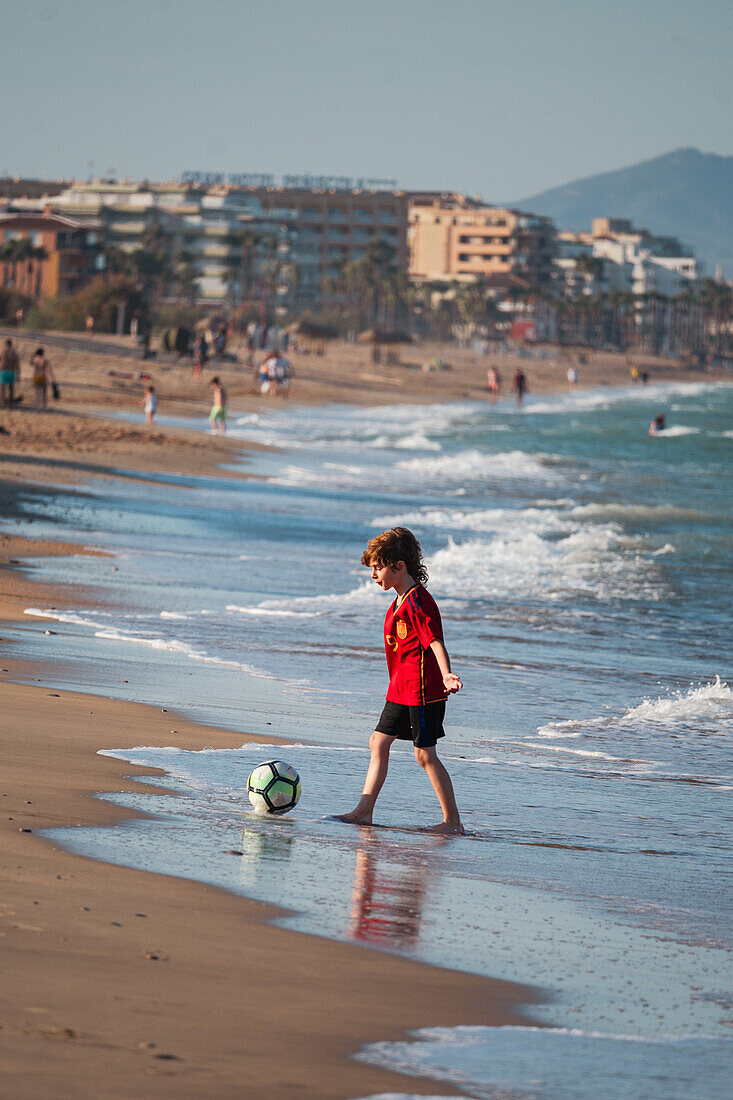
117, 982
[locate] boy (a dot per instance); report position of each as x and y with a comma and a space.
218, 414
420, 678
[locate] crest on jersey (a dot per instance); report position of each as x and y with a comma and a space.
401, 629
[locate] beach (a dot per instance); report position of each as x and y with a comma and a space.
118, 981
98, 993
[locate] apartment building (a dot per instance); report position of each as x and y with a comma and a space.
627, 259
236, 249
452, 237
72, 254
342, 222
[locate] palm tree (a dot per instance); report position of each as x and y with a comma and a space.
10, 254
40, 255
24, 256
118, 262
184, 277
715, 301
248, 241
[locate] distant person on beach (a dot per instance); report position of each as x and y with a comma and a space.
200, 355
9, 367
150, 404
573, 377
519, 385
280, 372
420, 677
634, 372
644, 377
218, 414
90, 324
493, 383
42, 375
657, 425
266, 374
220, 342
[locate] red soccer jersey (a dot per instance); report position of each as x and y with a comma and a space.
414, 675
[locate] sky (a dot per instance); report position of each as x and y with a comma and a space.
501, 98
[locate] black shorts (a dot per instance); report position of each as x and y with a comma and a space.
421, 725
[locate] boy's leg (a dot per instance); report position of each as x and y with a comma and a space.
379, 746
428, 759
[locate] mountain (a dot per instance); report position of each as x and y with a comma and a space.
685, 194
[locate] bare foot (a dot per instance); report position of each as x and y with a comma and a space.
354, 818
446, 828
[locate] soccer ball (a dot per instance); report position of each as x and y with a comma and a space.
273, 787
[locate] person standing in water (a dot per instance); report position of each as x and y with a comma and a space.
218, 414
519, 385
493, 383
420, 677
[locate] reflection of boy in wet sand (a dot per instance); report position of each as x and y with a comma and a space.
386, 902
420, 678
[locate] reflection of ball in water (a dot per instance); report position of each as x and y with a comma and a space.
273, 787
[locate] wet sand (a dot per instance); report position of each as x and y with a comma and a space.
117, 982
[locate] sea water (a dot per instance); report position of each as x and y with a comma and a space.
584, 572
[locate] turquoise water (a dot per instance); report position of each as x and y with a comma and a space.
584, 573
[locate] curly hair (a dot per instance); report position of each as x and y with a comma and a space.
397, 544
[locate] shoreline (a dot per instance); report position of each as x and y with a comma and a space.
110, 970
74, 439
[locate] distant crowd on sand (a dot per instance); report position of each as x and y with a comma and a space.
274, 372
271, 376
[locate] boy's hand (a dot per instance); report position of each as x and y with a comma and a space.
452, 683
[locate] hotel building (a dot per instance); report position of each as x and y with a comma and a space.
343, 222
453, 238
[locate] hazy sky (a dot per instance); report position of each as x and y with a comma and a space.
498, 97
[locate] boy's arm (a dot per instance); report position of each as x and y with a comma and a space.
451, 682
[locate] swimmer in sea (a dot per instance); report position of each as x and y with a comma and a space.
657, 425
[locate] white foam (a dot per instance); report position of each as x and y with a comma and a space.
416, 441
661, 513
710, 701
173, 615
590, 400
61, 616
365, 595
264, 610
706, 704
110, 632
473, 465
486, 520
557, 1062
597, 561
583, 752
675, 431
